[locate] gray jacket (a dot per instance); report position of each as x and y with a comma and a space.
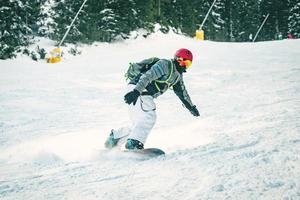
161, 76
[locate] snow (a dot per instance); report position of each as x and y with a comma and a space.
54, 119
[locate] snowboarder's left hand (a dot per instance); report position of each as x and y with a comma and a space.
131, 97
194, 111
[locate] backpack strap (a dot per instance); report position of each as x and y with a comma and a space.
127, 77
171, 68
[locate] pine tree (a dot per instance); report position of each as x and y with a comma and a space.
183, 17
229, 20
145, 14
282, 16
47, 23
166, 15
107, 20
243, 20
214, 26
125, 15
92, 18
34, 15
13, 28
277, 21
64, 12
108, 26
294, 18
201, 7
252, 20
217, 17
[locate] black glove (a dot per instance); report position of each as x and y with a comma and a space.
131, 97
194, 111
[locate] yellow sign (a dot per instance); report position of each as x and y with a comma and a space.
199, 35
55, 56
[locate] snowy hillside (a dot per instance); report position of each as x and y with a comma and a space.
54, 119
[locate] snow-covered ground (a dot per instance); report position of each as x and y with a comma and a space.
54, 119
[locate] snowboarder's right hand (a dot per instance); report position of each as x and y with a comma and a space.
131, 97
194, 111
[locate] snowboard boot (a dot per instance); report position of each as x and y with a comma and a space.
133, 144
111, 141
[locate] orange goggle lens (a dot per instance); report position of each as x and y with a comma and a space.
184, 63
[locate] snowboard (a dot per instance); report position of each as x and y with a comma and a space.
146, 153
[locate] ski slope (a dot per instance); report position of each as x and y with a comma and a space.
54, 119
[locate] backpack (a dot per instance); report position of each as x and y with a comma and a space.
135, 69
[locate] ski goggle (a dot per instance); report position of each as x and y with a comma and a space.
184, 62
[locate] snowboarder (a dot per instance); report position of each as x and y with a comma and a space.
148, 80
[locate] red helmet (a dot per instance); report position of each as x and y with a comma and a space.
184, 57
185, 54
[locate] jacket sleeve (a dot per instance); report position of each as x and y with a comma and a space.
181, 92
158, 70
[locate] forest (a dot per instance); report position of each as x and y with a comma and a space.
109, 20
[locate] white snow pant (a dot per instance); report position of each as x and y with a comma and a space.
142, 116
